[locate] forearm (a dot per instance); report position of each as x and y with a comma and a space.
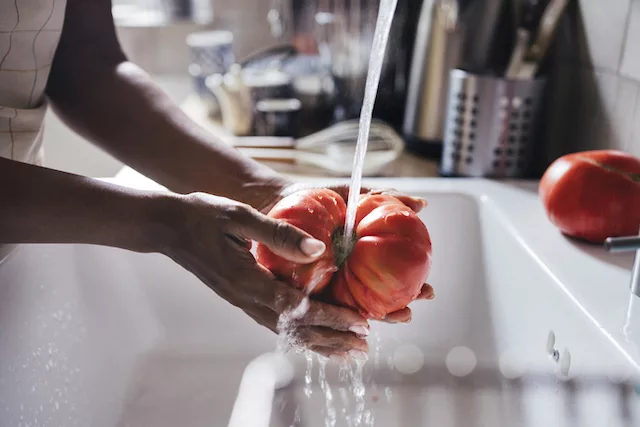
39, 205
132, 119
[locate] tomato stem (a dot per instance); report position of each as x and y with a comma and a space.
340, 252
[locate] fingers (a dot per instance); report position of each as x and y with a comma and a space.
325, 341
400, 316
414, 203
281, 238
338, 318
282, 298
404, 315
427, 292
336, 341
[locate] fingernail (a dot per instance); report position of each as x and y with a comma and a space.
358, 355
312, 247
360, 330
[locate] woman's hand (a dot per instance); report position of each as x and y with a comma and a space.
211, 237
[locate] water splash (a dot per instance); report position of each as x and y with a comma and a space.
308, 380
357, 388
376, 365
378, 48
330, 418
287, 320
359, 391
343, 372
376, 350
297, 419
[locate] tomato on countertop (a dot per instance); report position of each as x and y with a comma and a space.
593, 195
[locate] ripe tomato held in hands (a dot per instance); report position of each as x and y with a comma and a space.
381, 273
593, 195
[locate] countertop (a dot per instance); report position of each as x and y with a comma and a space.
407, 165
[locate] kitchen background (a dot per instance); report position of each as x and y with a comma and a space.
592, 99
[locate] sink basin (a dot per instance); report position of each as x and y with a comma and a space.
103, 337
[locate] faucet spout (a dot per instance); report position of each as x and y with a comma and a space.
627, 244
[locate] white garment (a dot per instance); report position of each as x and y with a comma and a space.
29, 34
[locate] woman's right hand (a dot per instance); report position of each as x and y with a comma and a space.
211, 237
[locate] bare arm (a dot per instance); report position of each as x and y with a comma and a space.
205, 234
114, 103
39, 205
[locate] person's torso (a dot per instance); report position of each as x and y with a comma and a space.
29, 35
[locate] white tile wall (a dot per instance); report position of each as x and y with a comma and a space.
605, 23
595, 92
633, 146
624, 115
631, 53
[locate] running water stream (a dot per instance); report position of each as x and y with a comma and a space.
378, 48
353, 376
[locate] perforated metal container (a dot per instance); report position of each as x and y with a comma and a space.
490, 125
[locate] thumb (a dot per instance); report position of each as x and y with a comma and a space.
282, 238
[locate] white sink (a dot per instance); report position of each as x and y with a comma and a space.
94, 336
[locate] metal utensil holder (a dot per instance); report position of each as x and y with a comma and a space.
490, 125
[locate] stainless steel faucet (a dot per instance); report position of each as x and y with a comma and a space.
627, 244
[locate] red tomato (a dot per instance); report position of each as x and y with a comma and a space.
384, 270
593, 195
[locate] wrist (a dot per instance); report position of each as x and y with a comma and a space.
162, 215
264, 192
